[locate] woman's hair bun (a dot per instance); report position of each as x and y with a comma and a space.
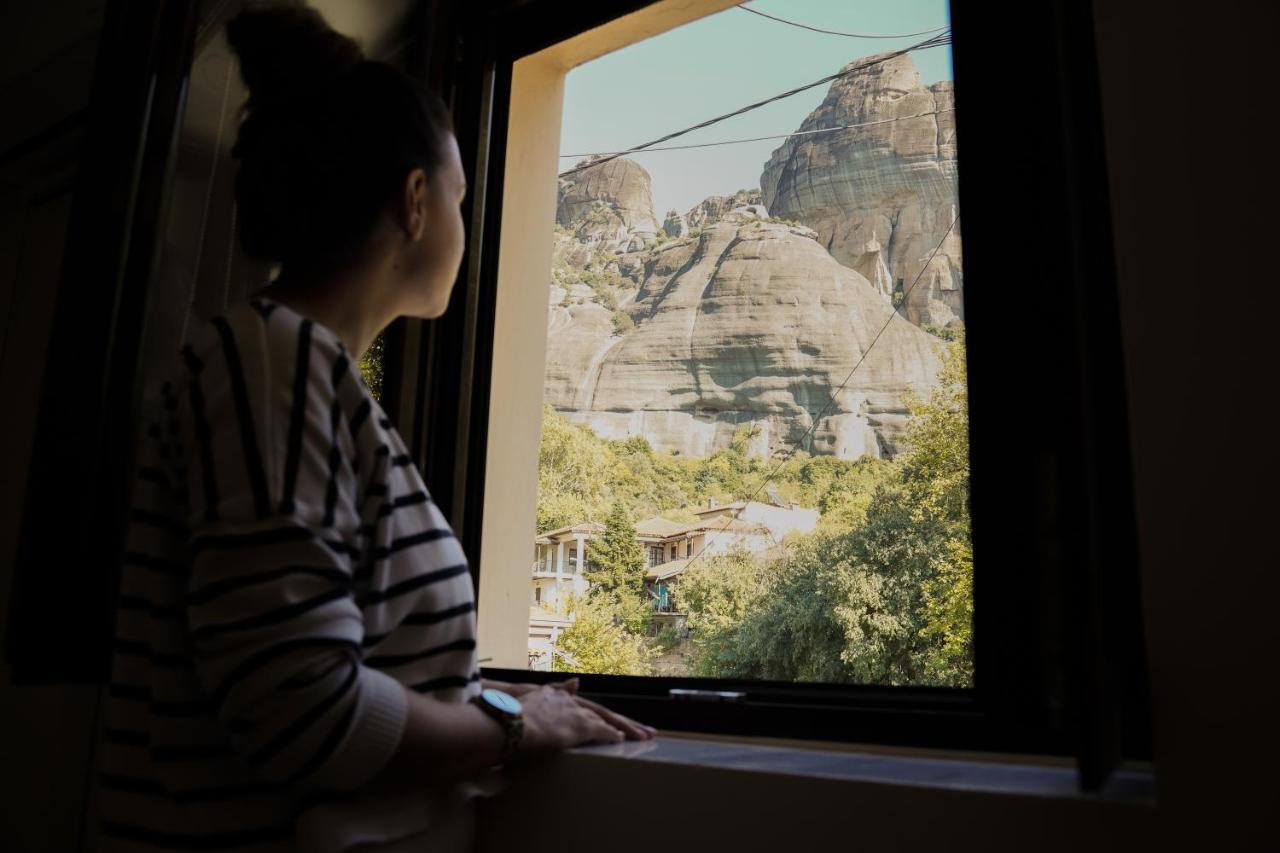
326, 139
288, 50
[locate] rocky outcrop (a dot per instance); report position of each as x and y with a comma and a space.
609, 205
880, 197
750, 322
713, 208
675, 225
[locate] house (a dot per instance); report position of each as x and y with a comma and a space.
545, 628
559, 560
781, 519
670, 547
561, 556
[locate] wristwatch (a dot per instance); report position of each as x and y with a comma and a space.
506, 709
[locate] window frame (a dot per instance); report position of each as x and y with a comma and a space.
1057, 649
1059, 653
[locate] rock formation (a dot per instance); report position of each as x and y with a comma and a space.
749, 322
880, 197
675, 224
713, 208
609, 205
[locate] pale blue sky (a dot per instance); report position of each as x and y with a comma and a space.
718, 64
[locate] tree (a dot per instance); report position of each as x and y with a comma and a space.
718, 593
886, 600
616, 570
616, 559
371, 367
936, 473
569, 461
597, 642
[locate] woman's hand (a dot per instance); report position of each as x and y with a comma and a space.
554, 719
516, 689
630, 729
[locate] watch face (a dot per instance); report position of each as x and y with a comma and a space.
504, 702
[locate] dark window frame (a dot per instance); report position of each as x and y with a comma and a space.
1058, 620
1058, 627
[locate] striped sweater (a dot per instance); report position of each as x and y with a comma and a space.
286, 576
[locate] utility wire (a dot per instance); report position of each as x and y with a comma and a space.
763, 138
790, 454
935, 41
747, 8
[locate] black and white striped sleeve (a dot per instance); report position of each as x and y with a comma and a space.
274, 628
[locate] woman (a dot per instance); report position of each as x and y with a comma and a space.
296, 660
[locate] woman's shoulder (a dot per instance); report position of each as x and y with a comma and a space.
258, 342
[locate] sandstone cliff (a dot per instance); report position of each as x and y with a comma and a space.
610, 205
751, 321
880, 197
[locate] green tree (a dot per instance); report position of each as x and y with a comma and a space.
598, 642
570, 459
936, 474
718, 593
622, 322
615, 570
885, 600
616, 560
371, 367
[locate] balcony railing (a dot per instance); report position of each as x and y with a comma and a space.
540, 567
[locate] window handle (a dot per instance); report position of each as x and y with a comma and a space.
707, 695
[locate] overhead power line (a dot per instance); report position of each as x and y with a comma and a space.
936, 41
763, 138
747, 8
790, 454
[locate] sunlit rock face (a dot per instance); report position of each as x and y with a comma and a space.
675, 224
713, 208
609, 205
880, 197
748, 322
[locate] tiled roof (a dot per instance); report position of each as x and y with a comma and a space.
580, 527
729, 525
659, 526
665, 570
720, 508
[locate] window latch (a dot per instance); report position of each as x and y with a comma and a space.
706, 695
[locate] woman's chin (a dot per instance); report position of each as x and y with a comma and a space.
430, 309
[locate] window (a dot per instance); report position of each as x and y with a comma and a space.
1056, 646
727, 354
1057, 627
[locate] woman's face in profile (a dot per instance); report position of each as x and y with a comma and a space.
439, 252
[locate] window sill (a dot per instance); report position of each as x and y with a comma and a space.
1008, 775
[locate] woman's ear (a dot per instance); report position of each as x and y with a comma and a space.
413, 212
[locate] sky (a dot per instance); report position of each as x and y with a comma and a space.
722, 62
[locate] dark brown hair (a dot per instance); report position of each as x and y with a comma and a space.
327, 136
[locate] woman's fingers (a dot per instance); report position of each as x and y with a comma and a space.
628, 726
569, 685
599, 730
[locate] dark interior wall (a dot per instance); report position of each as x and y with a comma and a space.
1187, 108
1190, 136
47, 54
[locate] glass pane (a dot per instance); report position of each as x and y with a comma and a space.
755, 398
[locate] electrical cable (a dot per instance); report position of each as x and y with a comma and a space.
747, 8
936, 41
763, 138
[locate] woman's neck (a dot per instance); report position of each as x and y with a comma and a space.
350, 302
